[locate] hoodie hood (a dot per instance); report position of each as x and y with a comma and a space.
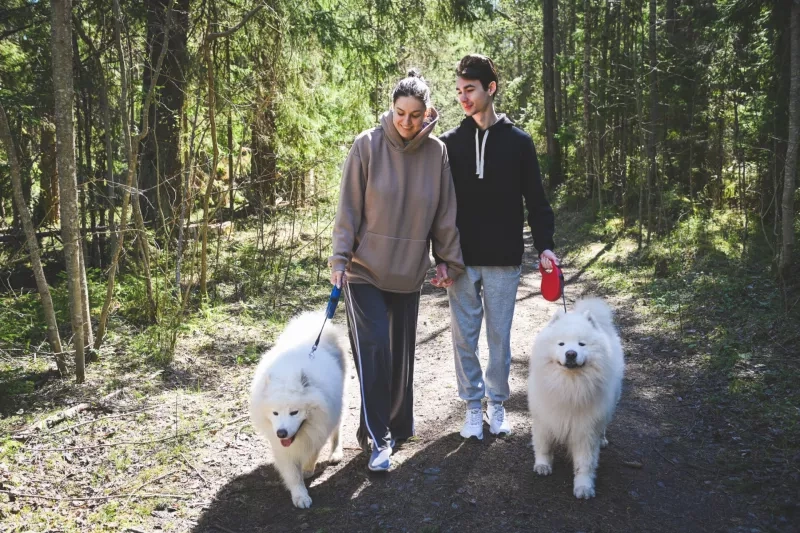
502, 121
480, 147
396, 141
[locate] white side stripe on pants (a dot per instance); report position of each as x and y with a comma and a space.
352, 314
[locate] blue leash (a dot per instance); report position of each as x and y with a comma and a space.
333, 301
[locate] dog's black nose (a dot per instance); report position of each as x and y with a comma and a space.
282, 433
571, 355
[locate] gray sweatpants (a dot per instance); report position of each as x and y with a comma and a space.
489, 291
383, 331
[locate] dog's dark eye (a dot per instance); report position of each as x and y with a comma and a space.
561, 344
581, 344
293, 413
275, 413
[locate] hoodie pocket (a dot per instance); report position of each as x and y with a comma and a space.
394, 264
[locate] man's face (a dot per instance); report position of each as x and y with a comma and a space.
474, 99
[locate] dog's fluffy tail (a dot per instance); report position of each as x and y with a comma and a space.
304, 328
598, 311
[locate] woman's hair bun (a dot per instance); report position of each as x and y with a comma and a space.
414, 73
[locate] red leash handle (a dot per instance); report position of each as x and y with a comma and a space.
552, 284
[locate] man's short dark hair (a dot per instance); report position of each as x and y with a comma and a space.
477, 67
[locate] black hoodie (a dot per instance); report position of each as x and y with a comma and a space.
490, 214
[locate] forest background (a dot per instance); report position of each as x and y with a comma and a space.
169, 165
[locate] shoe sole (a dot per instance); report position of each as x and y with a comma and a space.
477, 437
378, 468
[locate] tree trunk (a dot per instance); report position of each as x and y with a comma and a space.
793, 140
65, 161
48, 203
131, 148
231, 177
33, 245
213, 171
651, 145
108, 161
160, 165
551, 121
557, 60
587, 128
109, 166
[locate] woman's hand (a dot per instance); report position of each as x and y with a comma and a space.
337, 278
441, 279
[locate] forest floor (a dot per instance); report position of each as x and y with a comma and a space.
172, 449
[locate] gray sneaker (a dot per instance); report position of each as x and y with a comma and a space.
473, 424
498, 422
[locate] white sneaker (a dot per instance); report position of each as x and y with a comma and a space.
498, 422
473, 425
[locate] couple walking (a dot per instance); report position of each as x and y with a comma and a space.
402, 189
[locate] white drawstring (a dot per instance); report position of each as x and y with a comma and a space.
480, 154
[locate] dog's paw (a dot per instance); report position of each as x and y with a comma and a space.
543, 469
583, 492
336, 456
301, 500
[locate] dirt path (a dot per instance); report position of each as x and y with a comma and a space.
651, 478
673, 463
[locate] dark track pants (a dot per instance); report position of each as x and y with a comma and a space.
383, 330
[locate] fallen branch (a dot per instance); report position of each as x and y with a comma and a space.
236, 420
185, 460
124, 442
633, 464
56, 419
66, 414
223, 528
92, 498
670, 461
119, 415
143, 485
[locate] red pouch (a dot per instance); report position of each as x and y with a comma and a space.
552, 283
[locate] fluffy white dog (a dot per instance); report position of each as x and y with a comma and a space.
574, 384
296, 401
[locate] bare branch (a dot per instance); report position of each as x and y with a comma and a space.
226, 33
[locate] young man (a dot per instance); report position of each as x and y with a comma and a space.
494, 168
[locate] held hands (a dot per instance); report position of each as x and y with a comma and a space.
441, 279
548, 259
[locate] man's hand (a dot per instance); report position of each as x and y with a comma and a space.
441, 279
337, 278
548, 259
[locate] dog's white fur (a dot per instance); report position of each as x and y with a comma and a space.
574, 405
302, 398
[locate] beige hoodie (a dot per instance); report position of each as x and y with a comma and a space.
393, 196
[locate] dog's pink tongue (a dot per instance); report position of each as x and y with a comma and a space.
286, 442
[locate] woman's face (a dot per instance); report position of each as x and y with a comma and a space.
409, 113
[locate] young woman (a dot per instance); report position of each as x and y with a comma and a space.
396, 194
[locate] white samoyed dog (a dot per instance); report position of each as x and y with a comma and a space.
574, 384
297, 401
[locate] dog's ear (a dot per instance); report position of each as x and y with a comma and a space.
304, 380
591, 319
558, 314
